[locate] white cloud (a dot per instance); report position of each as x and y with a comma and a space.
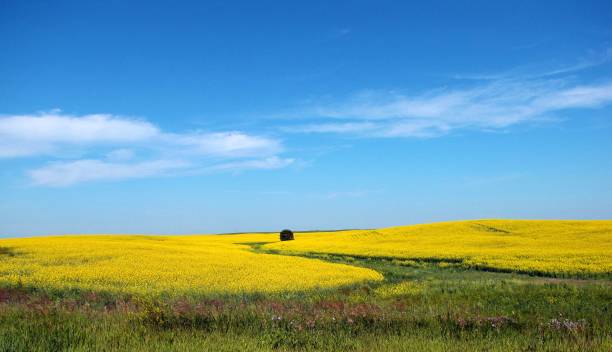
262, 164
24, 135
343, 127
494, 105
15, 149
49, 133
225, 144
576, 97
112, 147
68, 173
120, 154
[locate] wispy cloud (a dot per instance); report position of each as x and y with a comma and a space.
265, 164
224, 144
532, 71
493, 105
483, 102
48, 133
68, 173
45, 133
120, 154
342, 32
342, 127
124, 148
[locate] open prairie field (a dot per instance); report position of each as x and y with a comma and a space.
470, 285
147, 146
156, 265
551, 248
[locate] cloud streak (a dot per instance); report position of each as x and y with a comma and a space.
59, 174
594, 59
490, 106
262, 164
223, 144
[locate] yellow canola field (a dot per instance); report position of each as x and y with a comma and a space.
175, 265
181, 265
580, 248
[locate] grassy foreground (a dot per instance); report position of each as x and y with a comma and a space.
416, 304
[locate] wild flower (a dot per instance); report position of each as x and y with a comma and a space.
573, 326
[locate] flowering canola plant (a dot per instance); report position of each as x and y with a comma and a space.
174, 265
184, 265
554, 248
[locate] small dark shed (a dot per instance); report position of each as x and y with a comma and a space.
286, 235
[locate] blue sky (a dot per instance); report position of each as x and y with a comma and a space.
165, 117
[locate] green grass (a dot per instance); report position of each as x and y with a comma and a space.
445, 308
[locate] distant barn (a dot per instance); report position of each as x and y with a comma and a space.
286, 235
